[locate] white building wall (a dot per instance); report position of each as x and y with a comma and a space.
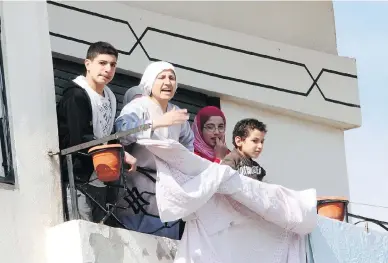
216, 61
297, 154
79, 241
307, 24
33, 204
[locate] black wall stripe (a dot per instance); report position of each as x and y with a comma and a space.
151, 29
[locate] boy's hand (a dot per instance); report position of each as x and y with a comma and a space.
220, 149
129, 159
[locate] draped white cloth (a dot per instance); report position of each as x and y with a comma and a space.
230, 218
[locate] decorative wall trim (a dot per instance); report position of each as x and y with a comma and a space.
246, 52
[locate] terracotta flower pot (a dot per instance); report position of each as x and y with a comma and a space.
106, 161
333, 207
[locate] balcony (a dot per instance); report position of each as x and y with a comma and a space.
82, 241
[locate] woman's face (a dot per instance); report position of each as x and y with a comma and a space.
164, 86
212, 129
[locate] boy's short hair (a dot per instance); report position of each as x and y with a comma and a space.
244, 127
99, 48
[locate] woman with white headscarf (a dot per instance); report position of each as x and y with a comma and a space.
159, 84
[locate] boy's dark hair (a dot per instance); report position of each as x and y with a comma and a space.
244, 127
99, 48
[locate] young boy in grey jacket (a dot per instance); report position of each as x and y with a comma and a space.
248, 140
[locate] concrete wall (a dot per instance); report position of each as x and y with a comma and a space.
292, 80
89, 242
33, 205
297, 154
307, 24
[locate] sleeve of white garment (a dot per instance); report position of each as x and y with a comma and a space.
181, 191
186, 138
132, 116
292, 210
187, 182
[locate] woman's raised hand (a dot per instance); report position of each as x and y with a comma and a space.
173, 117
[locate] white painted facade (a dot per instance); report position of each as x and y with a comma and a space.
299, 23
260, 72
33, 204
99, 243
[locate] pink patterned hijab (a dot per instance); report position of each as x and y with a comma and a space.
203, 116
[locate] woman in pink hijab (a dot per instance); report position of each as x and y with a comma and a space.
209, 134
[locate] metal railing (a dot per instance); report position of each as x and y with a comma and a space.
347, 214
364, 219
68, 152
124, 197
136, 196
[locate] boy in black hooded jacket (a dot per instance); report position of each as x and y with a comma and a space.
86, 112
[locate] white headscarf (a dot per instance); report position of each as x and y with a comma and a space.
150, 74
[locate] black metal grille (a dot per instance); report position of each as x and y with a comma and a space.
5, 138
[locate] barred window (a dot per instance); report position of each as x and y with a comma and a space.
6, 169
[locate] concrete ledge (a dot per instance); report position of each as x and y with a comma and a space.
80, 241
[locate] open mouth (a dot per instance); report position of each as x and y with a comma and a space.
167, 91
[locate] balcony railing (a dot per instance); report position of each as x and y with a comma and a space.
140, 247
133, 197
68, 152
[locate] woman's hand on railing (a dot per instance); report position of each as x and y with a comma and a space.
129, 159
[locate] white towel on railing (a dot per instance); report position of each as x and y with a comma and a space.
230, 217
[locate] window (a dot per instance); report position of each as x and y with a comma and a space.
6, 168
65, 71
